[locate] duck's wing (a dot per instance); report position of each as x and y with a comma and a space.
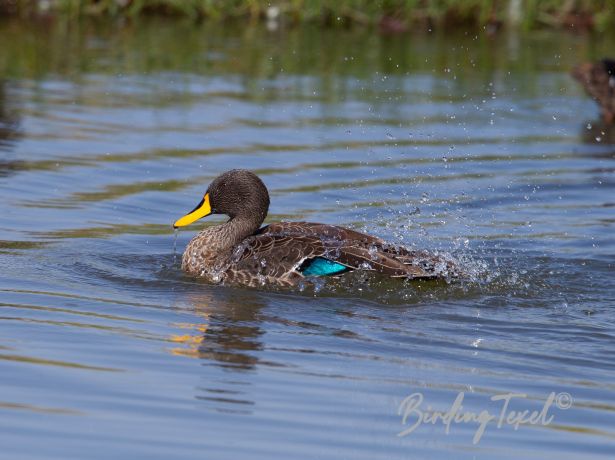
362, 249
286, 249
272, 259
322, 231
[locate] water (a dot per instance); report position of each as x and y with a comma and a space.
481, 148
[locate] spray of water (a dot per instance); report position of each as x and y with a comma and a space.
176, 234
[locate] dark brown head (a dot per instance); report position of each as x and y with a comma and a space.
237, 193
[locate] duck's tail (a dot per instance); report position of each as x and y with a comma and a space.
398, 262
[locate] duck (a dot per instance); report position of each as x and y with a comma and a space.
242, 252
598, 79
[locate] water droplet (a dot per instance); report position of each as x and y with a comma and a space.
176, 232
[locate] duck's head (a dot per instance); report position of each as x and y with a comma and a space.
237, 193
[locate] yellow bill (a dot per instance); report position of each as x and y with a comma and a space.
202, 209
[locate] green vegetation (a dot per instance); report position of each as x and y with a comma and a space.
389, 15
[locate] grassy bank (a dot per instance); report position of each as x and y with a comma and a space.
389, 15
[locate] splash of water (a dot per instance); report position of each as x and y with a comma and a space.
176, 234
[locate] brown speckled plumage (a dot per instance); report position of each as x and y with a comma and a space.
240, 252
598, 79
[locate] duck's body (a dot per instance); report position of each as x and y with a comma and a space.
240, 252
284, 253
598, 79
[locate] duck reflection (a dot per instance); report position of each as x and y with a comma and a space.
230, 332
229, 336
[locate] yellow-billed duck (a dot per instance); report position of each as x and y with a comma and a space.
242, 252
598, 79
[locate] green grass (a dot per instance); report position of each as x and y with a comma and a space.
391, 14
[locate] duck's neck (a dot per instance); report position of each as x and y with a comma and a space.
233, 232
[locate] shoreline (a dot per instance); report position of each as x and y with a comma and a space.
392, 17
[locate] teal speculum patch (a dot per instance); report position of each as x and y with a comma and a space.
320, 266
